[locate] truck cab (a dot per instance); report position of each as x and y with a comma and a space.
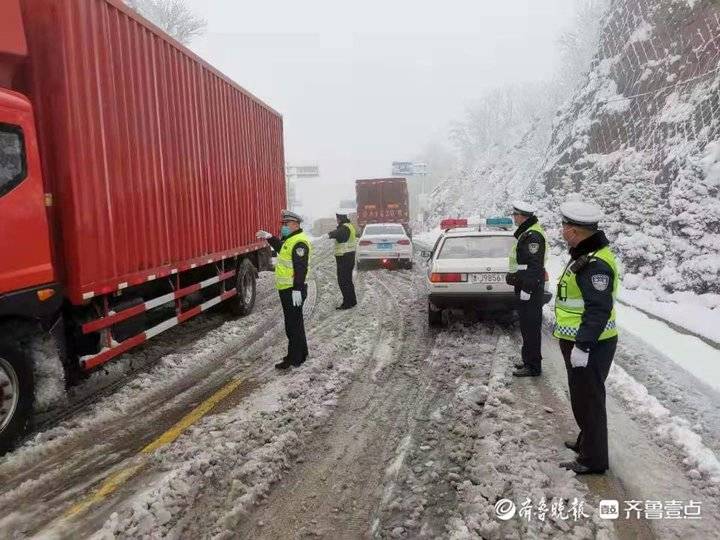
29, 295
24, 230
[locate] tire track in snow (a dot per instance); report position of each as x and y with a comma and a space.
82, 452
419, 496
210, 507
338, 491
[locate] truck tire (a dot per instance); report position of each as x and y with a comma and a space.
243, 303
16, 395
434, 317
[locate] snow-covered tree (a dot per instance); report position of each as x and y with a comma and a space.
579, 43
173, 16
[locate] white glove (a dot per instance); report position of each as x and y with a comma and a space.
297, 298
524, 296
579, 358
263, 234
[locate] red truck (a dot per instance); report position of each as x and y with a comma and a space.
382, 200
133, 177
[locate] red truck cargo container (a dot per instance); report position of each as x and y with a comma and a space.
133, 177
382, 200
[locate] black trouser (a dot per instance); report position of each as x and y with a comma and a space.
530, 313
587, 396
345, 264
294, 327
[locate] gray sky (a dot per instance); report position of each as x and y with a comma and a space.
362, 84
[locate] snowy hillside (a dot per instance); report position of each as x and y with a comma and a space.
500, 175
640, 136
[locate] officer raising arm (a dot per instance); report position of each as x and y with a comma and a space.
291, 271
345, 238
586, 326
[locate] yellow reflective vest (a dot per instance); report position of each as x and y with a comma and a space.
341, 248
284, 271
570, 306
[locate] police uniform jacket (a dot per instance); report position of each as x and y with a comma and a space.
531, 253
300, 258
594, 278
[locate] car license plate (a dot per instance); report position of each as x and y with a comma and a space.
487, 278
385, 246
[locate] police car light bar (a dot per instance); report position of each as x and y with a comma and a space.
453, 223
462, 223
499, 222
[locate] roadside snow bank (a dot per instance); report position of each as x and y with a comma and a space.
702, 464
512, 485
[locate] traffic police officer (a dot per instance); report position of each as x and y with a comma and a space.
345, 238
585, 324
291, 271
527, 274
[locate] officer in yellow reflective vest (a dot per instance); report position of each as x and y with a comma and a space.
345, 238
527, 275
291, 271
586, 327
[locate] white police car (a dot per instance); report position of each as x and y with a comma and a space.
467, 268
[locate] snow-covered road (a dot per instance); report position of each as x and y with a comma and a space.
390, 430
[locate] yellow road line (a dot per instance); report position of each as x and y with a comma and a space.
115, 480
196, 414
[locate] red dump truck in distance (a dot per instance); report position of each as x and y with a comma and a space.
382, 200
133, 177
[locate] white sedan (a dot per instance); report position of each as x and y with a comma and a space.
384, 244
467, 269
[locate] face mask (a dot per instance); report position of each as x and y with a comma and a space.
285, 231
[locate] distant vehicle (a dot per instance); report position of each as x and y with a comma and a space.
133, 177
384, 244
467, 268
383, 200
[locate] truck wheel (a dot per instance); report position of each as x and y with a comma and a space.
434, 317
16, 395
242, 304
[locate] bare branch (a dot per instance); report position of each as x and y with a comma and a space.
173, 16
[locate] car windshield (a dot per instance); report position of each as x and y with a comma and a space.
476, 247
383, 229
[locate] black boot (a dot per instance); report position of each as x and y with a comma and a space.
579, 468
526, 372
519, 365
300, 363
572, 445
285, 364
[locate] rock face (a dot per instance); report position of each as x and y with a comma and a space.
642, 137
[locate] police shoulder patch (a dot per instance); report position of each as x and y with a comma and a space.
300, 250
534, 247
600, 281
